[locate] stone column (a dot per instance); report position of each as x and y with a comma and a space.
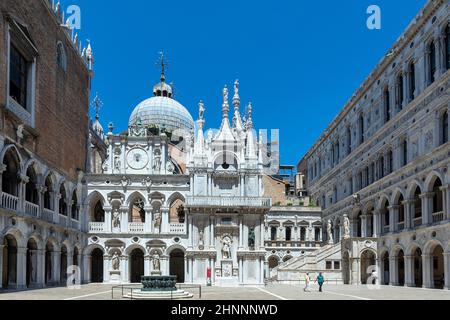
355, 276
241, 270
447, 270
1, 260
445, 205
364, 226
165, 220
261, 270
440, 56
447, 201
23, 180
124, 219
211, 234
191, 231
241, 232
427, 269
21, 268
393, 271
86, 262
56, 262
148, 265
108, 219
409, 204
409, 270
393, 213
377, 223
261, 233
148, 219
427, 204
124, 267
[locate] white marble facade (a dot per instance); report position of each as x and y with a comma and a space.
196, 203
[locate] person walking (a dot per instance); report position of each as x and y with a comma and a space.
308, 281
320, 280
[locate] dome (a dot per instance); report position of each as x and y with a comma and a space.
162, 112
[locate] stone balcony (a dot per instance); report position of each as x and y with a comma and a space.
136, 228
228, 202
26, 208
292, 244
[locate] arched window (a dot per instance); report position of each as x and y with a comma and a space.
62, 201
417, 207
31, 193
437, 197
399, 89
75, 209
387, 218
61, 57
405, 152
349, 141
359, 225
288, 233
48, 203
444, 127
335, 195
387, 105
99, 213
273, 233
391, 161
447, 46
412, 81
382, 171
10, 178
432, 62
361, 129
302, 234
401, 213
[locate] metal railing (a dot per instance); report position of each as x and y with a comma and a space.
129, 288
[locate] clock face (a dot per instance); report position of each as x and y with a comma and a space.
137, 159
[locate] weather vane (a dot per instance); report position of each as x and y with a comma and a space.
163, 63
97, 104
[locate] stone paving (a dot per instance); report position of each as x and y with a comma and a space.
270, 292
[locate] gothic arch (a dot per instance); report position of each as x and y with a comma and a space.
396, 249
413, 185
175, 247
94, 197
53, 242
382, 201
134, 196
175, 196
88, 250
412, 247
36, 166
431, 245
15, 151
133, 247
396, 194
431, 179
38, 239
16, 234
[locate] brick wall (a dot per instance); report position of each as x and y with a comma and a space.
62, 98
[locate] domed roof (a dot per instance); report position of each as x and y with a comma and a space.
162, 112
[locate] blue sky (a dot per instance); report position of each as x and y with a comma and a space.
298, 61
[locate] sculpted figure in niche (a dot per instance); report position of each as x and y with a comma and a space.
346, 227
226, 248
116, 218
116, 261
330, 232
157, 161
156, 262
157, 223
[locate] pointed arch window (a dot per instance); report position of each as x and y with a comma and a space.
48, 203
444, 127
62, 201
412, 80
387, 105
447, 46
399, 91
432, 62
361, 129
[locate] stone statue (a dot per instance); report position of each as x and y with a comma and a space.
157, 223
170, 167
201, 110
251, 238
116, 219
346, 227
157, 161
225, 94
330, 232
117, 163
201, 244
156, 262
116, 261
226, 248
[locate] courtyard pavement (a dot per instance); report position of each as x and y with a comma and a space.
270, 292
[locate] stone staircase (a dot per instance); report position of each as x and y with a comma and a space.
306, 263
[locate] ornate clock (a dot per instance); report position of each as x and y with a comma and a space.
137, 159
